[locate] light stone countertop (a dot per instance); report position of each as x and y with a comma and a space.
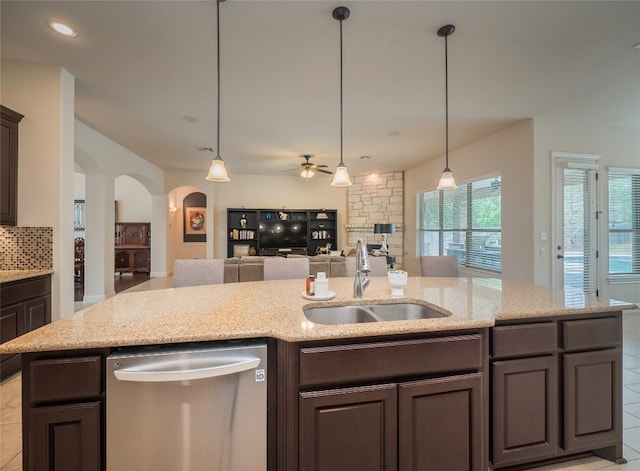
7, 276
275, 309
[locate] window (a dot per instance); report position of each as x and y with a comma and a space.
466, 222
624, 222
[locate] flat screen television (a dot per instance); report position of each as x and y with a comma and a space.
282, 234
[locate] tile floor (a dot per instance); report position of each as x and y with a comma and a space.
10, 417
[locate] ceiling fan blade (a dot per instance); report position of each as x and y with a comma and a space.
323, 171
321, 166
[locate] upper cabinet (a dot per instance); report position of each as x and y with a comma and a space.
9, 167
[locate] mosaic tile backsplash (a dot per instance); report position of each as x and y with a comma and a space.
26, 248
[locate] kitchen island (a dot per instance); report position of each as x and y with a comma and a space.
513, 336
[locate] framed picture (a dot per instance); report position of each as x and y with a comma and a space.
195, 224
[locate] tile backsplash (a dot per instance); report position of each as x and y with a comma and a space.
26, 248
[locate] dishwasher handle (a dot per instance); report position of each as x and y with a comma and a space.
171, 373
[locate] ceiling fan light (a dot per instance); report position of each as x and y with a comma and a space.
217, 171
341, 178
447, 180
307, 173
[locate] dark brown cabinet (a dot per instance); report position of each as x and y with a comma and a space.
247, 231
336, 423
132, 247
9, 166
382, 416
25, 306
556, 389
63, 402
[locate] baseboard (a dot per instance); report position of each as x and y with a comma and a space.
158, 274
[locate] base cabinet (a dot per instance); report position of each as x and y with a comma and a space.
25, 306
556, 389
397, 421
63, 400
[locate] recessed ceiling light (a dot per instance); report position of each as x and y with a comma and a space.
63, 29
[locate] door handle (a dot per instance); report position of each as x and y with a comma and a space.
560, 256
172, 371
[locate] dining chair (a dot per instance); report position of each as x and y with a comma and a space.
439, 265
198, 271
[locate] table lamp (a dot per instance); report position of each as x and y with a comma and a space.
384, 229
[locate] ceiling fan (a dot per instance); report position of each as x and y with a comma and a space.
308, 170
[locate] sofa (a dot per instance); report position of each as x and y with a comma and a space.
251, 268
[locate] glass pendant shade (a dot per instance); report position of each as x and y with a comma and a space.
217, 171
447, 180
341, 177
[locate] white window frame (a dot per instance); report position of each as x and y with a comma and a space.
618, 278
468, 231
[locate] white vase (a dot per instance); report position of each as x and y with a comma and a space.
398, 279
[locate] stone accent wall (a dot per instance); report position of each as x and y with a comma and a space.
377, 199
26, 248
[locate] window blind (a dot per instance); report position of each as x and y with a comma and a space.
465, 222
624, 222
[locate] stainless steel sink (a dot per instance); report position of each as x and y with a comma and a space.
339, 315
333, 315
404, 311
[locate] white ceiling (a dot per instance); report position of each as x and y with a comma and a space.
143, 66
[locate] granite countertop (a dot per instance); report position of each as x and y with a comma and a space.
275, 309
7, 276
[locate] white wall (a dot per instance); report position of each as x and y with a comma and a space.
507, 152
134, 200
45, 96
618, 147
253, 191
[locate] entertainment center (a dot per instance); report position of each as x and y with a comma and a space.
281, 231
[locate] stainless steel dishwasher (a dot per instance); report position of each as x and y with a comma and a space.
188, 409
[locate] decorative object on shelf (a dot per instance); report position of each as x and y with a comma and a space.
240, 250
283, 215
341, 178
243, 222
384, 229
218, 171
322, 215
195, 220
398, 279
447, 180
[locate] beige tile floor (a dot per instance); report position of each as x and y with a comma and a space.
11, 441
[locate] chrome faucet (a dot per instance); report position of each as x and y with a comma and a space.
362, 268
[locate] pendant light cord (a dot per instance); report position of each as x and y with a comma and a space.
446, 102
218, 68
341, 163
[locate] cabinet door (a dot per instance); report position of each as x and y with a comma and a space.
349, 429
592, 393
64, 437
37, 312
441, 424
9, 166
122, 260
11, 318
141, 260
525, 409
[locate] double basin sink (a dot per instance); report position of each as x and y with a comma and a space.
356, 314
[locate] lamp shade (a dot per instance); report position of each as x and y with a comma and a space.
217, 171
384, 228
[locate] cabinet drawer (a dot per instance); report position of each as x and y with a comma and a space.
65, 379
386, 360
592, 333
525, 339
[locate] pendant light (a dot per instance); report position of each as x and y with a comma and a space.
341, 177
447, 181
217, 171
